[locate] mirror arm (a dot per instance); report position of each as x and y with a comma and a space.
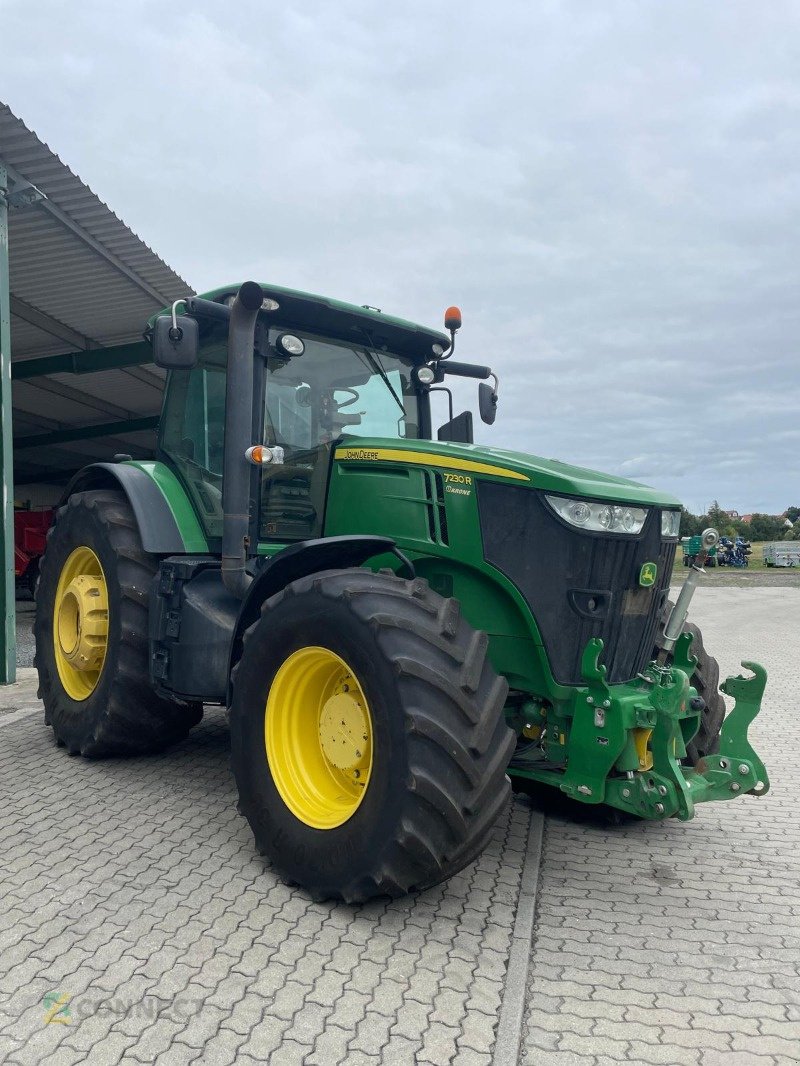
487, 400
466, 370
207, 308
175, 333
443, 388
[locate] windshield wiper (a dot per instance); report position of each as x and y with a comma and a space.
376, 364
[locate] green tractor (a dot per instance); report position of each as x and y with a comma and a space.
397, 620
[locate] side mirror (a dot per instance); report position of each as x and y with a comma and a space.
487, 403
458, 429
175, 347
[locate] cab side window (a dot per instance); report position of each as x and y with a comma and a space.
192, 432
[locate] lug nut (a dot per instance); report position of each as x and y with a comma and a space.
626, 792
744, 769
734, 786
662, 790
660, 808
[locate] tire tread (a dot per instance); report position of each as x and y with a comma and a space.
458, 742
136, 720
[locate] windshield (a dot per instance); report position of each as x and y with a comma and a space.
332, 389
336, 388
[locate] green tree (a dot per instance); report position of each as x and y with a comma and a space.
690, 524
766, 527
718, 518
793, 513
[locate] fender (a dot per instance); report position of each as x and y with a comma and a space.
146, 486
299, 560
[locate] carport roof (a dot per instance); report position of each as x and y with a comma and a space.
82, 286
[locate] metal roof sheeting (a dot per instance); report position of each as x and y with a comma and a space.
79, 279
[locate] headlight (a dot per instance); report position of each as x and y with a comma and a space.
599, 517
670, 523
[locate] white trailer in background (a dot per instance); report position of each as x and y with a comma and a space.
782, 553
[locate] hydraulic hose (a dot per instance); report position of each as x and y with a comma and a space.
238, 431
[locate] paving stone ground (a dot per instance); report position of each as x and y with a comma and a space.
130, 890
135, 914
680, 942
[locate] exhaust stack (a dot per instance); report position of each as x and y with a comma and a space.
238, 434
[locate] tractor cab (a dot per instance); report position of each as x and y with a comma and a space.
322, 371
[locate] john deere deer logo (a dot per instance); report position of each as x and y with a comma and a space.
647, 575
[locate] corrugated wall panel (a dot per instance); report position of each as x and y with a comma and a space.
79, 286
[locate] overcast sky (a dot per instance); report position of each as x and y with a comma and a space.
610, 190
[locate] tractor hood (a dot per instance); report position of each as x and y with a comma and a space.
472, 459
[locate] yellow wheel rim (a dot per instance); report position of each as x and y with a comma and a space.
80, 623
318, 736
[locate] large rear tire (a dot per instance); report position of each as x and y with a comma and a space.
368, 738
91, 631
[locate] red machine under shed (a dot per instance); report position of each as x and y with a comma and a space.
30, 535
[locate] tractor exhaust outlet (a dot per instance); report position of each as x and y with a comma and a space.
238, 437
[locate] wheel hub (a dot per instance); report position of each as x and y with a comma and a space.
80, 623
343, 731
83, 623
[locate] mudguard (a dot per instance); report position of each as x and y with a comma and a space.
156, 496
298, 560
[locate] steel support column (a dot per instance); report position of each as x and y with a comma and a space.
8, 638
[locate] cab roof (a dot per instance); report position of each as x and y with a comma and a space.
335, 318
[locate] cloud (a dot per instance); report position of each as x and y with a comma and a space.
609, 191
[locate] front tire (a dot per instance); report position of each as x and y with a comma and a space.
91, 634
415, 712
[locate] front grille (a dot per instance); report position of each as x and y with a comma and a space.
578, 584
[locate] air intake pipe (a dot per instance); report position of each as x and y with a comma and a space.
238, 434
